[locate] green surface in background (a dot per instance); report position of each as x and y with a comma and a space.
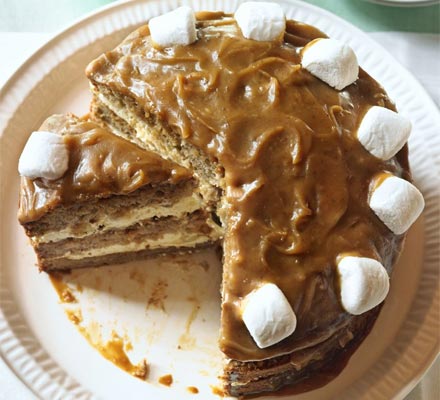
52, 15
376, 17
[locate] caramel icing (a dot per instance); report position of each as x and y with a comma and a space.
100, 164
296, 179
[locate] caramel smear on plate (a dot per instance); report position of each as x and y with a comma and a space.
166, 380
186, 341
114, 351
75, 316
158, 296
64, 292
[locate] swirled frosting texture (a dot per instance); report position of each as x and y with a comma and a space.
100, 164
296, 179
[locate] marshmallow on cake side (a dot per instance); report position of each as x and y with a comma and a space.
291, 136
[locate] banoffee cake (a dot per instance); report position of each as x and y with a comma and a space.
297, 153
113, 203
266, 112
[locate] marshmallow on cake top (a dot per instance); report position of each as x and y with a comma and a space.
364, 283
261, 21
178, 27
332, 61
396, 202
383, 132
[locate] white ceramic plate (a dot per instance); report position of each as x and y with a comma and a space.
46, 351
405, 3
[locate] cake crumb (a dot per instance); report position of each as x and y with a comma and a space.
166, 380
192, 389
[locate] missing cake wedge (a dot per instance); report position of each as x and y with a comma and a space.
98, 199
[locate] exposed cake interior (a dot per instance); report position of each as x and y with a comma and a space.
115, 203
276, 152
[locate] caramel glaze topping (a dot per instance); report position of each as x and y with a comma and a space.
100, 164
296, 178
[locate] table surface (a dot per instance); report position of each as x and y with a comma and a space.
409, 34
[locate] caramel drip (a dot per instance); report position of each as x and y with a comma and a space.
296, 178
100, 164
378, 179
166, 380
192, 389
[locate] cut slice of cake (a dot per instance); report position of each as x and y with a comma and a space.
89, 198
266, 112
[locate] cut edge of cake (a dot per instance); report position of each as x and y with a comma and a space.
125, 118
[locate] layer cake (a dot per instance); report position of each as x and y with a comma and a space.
114, 203
296, 153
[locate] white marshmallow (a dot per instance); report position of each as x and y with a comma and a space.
397, 203
45, 155
331, 61
177, 27
364, 283
268, 315
383, 132
261, 21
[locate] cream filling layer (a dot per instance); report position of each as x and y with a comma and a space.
175, 239
143, 132
104, 222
